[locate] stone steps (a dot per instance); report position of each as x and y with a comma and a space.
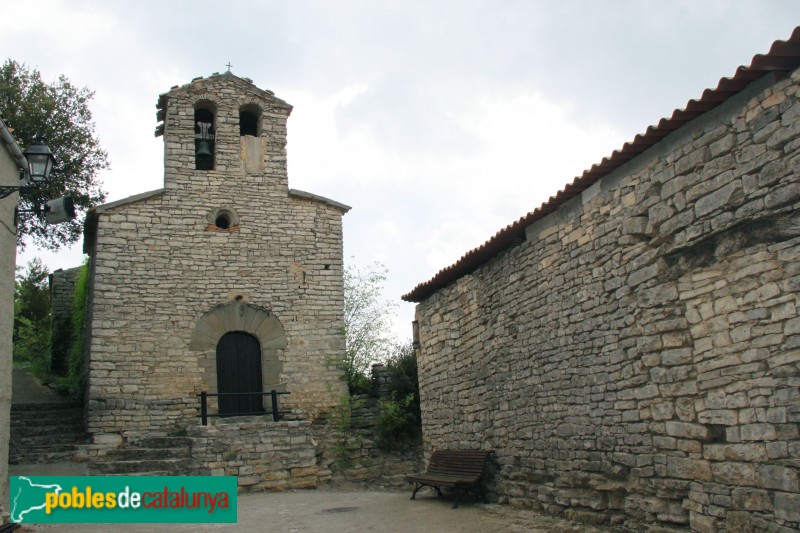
162, 442
44, 433
152, 473
47, 430
44, 454
131, 454
171, 467
150, 455
46, 409
37, 417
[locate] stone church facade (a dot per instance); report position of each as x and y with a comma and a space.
630, 350
224, 280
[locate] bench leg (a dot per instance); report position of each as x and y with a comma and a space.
479, 492
420, 485
458, 497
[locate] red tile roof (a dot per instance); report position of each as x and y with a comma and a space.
783, 56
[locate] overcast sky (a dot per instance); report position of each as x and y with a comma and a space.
440, 122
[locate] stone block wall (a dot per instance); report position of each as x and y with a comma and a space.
358, 456
638, 355
274, 456
350, 440
9, 175
62, 293
343, 449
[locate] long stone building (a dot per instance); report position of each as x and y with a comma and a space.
631, 349
223, 281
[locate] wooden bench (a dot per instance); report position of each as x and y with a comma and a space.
459, 470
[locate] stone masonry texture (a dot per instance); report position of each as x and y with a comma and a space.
9, 175
62, 295
165, 280
637, 356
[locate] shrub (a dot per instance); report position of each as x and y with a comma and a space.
358, 383
397, 425
32, 346
345, 438
400, 422
32, 319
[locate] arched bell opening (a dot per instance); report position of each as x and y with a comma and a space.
252, 144
204, 137
249, 119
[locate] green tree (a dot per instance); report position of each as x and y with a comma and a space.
32, 318
400, 421
59, 111
367, 322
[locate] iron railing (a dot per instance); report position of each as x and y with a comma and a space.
204, 414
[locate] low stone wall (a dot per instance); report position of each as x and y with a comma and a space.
263, 455
637, 357
360, 458
153, 415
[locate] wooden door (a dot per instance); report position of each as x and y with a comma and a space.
239, 370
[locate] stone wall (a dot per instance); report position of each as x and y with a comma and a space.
638, 355
9, 175
274, 456
271, 456
165, 278
357, 456
62, 292
295, 454
350, 440
264, 454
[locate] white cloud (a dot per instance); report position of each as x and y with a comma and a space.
439, 122
419, 211
66, 27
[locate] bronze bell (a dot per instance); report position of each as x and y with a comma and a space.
203, 149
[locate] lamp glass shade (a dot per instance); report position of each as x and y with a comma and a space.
40, 161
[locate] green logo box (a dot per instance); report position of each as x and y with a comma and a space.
122, 499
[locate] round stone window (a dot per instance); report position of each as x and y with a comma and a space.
223, 221
223, 218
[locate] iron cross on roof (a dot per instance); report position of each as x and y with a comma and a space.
228, 64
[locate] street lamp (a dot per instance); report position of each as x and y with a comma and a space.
40, 164
40, 161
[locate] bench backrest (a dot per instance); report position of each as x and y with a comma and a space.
467, 463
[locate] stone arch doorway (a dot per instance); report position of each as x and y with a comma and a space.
246, 319
239, 371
